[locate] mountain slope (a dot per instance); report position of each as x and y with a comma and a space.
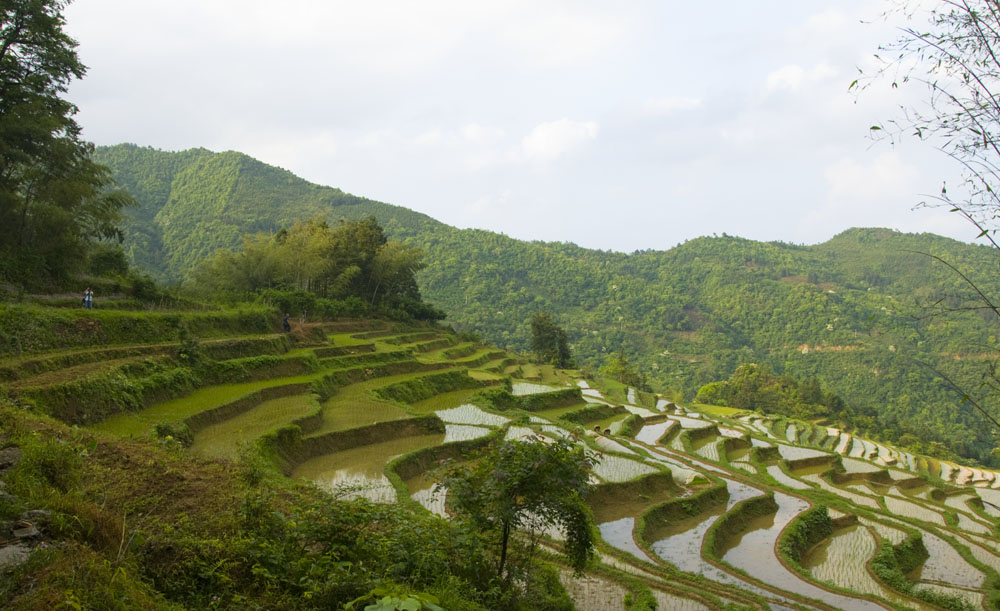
852, 312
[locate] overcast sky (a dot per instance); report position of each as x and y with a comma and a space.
624, 126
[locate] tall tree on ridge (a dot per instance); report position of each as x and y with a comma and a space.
53, 198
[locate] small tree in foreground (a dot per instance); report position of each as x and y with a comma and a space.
526, 485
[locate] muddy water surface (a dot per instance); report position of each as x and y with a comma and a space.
362, 468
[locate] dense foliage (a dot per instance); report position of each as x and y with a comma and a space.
549, 342
753, 387
854, 312
140, 526
526, 485
352, 261
55, 201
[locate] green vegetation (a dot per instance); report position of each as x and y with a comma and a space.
55, 200
548, 341
349, 269
332, 402
850, 313
532, 485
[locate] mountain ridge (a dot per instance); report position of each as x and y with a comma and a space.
685, 316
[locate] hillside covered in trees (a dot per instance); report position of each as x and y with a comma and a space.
868, 314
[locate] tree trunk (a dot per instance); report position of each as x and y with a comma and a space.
505, 537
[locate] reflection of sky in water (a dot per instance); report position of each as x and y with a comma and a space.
521, 389
755, 544
619, 534
463, 432
794, 452
782, 478
470, 414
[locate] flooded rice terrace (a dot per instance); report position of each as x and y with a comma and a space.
879, 493
359, 472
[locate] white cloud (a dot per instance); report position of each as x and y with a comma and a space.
554, 139
474, 132
885, 176
792, 77
668, 105
829, 23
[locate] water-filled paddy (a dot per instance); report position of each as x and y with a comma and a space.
593, 593
843, 443
910, 509
651, 433
991, 500
665, 600
445, 400
423, 490
222, 440
842, 559
362, 467
960, 501
853, 465
945, 565
859, 499
617, 469
618, 534
891, 534
642, 412
857, 448
680, 542
693, 423
795, 453
470, 414
521, 389
610, 445
973, 526
782, 478
982, 553
708, 448
521, 433
746, 550
463, 432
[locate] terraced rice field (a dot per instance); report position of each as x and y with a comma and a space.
222, 440
353, 431
361, 471
836, 560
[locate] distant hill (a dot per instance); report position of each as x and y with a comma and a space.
853, 312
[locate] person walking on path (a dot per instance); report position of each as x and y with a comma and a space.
88, 299
285, 325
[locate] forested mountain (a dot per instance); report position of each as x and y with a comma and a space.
862, 313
